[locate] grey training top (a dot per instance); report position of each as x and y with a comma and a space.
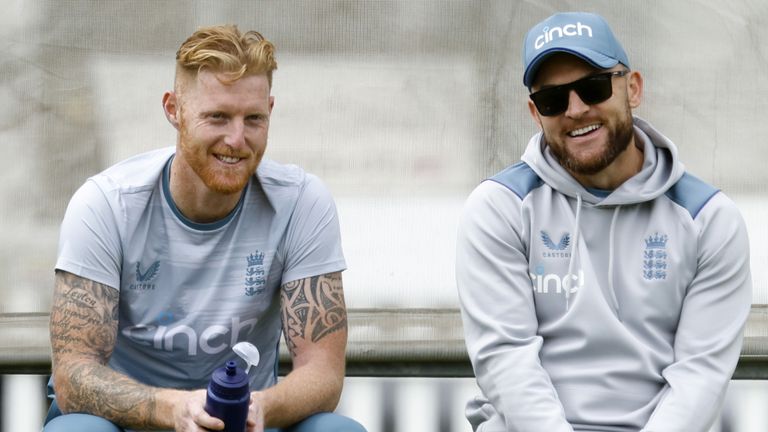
590, 312
190, 291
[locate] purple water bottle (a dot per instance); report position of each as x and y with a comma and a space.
228, 397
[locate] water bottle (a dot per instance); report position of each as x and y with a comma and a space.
228, 397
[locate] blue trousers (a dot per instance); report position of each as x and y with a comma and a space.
322, 422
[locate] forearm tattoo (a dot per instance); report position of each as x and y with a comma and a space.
312, 308
83, 328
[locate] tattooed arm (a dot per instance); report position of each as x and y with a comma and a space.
315, 328
83, 333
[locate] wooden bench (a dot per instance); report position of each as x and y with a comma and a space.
382, 342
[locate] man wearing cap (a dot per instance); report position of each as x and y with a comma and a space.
602, 287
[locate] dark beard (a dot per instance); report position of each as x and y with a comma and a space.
618, 141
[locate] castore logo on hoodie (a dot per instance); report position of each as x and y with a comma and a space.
556, 250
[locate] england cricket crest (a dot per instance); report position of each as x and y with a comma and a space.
255, 279
655, 257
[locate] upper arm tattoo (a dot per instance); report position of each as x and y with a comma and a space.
312, 308
84, 318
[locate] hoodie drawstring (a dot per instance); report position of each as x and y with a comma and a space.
610, 263
574, 249
611, 244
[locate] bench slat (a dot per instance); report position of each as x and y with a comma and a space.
382, 342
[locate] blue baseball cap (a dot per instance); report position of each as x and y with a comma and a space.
585, 35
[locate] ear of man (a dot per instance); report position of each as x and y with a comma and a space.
171, 108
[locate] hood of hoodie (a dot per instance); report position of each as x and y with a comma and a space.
661, 169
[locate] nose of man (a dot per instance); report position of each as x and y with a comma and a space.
235, 135
576, 106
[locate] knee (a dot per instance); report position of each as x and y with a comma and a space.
346, 424
324, 422
80, 422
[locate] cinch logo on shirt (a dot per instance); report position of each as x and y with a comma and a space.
568, 30
211, 340
551, 282
143, 278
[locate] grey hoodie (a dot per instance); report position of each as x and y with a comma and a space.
590, 311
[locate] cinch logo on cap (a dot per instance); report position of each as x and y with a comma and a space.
568, 30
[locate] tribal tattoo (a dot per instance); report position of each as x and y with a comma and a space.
312, 308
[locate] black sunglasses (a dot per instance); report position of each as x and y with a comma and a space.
592, 89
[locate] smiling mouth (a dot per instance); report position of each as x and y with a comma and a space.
585, 130
228, 159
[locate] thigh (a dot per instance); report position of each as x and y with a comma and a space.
80, 422
327, 422
58, 422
